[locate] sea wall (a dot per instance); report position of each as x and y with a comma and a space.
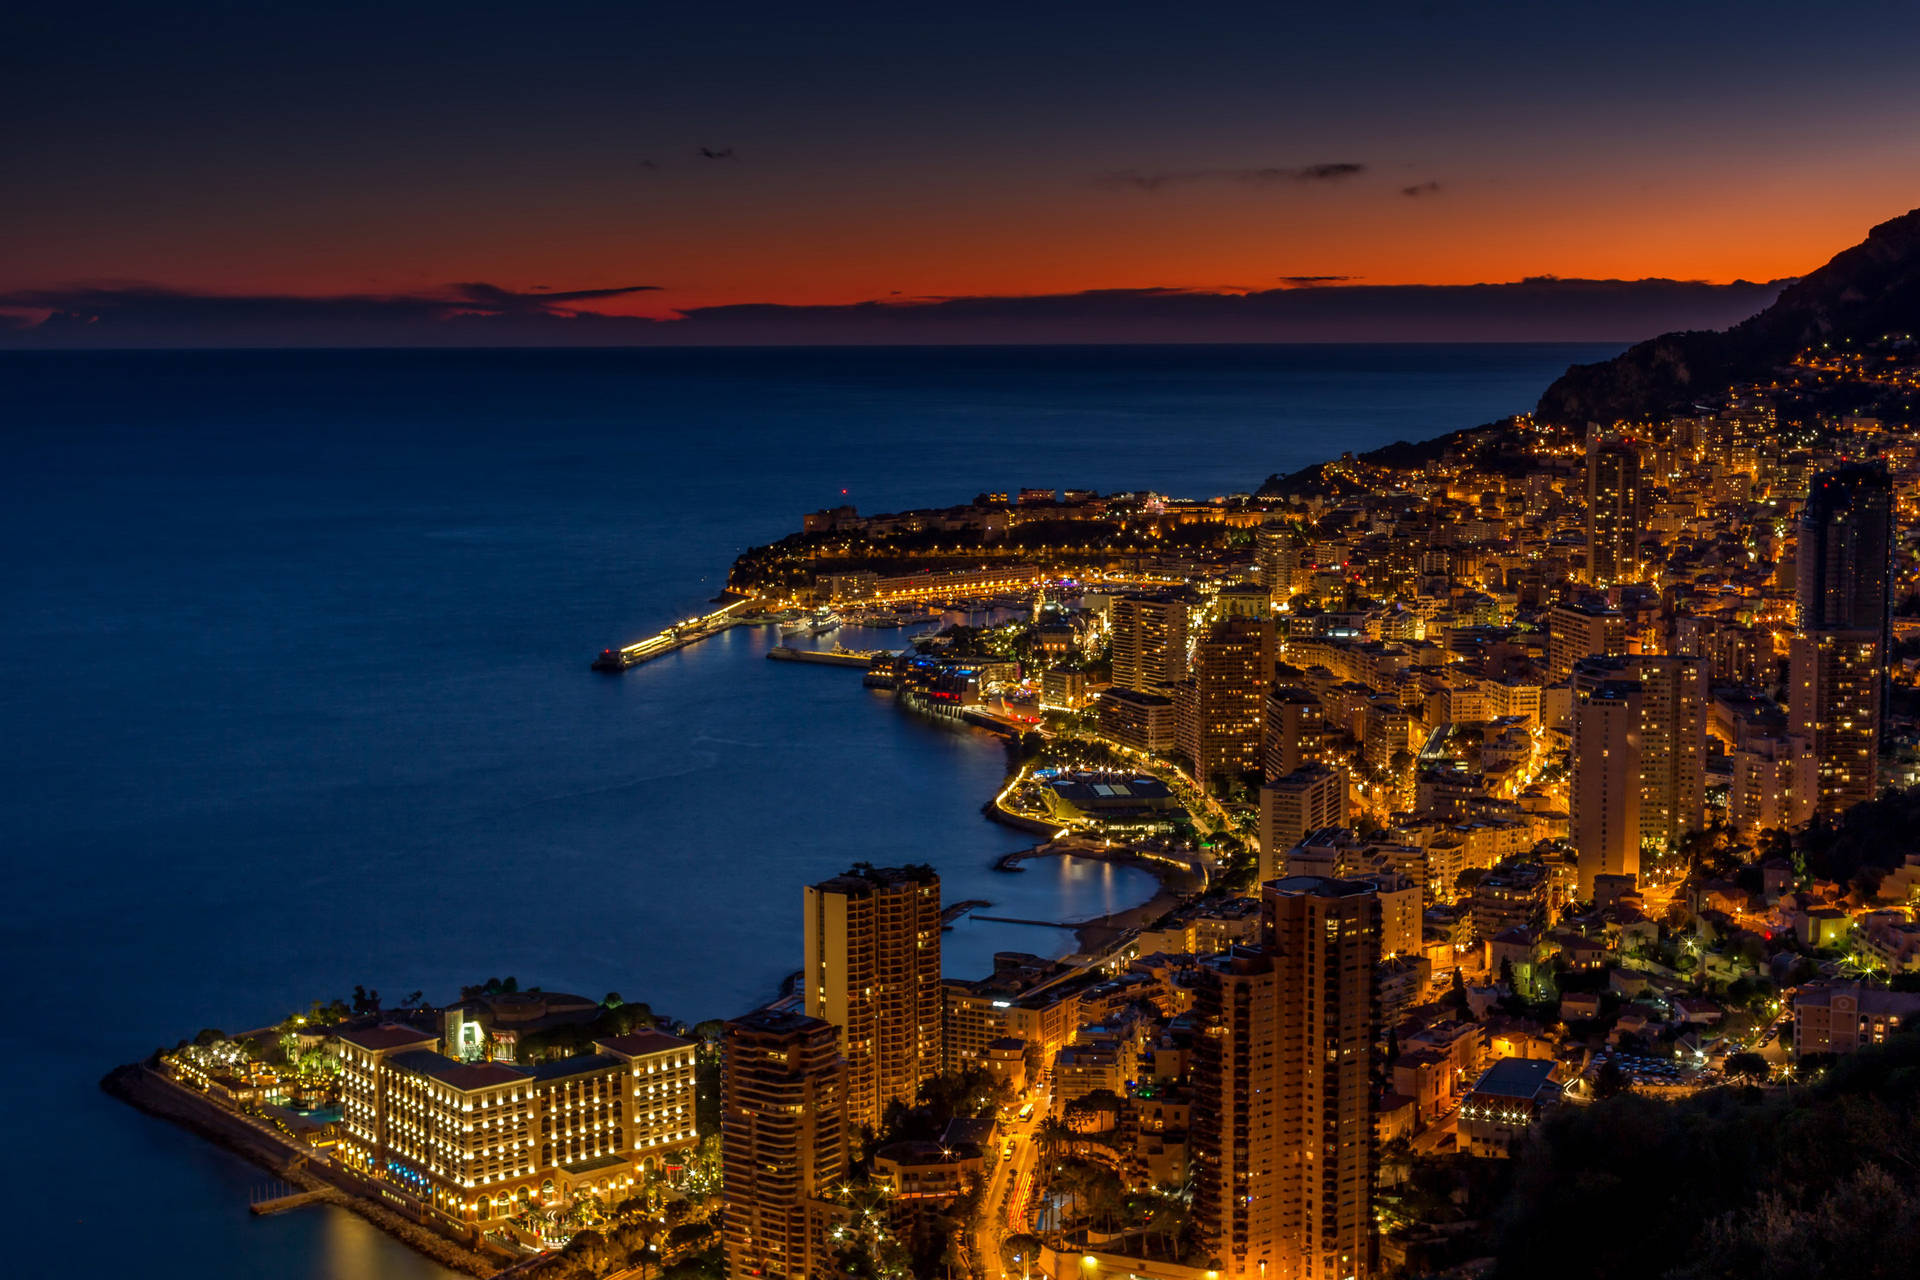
140, 1086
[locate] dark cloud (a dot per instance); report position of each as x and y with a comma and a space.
492, 297
1419, 189
717, 153
480, 315
119, 314
1303, 282
1267, 176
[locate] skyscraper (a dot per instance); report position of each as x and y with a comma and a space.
1582, 630
1221, 711
1283, 1125
784, 1144
1293, 729
1605, 796
1846, 539
1311, 797
1613, 513
1276, 556
1149, 642
872, 940
1836, 662
1671, 746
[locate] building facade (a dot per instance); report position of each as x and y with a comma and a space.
1294, 806
1605, 796
784, 1142
1283, 1123
1837, 659
1220, 712
1614, 513
1149, 642
872, 944
474, 1141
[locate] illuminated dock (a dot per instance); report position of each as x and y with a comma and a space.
677, 636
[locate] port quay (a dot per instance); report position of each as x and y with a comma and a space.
890, 602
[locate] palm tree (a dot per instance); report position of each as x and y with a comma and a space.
1052, 1134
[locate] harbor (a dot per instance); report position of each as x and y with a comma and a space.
678, 636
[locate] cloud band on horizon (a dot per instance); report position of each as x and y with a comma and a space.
1540, 309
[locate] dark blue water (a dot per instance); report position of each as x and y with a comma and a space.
293, 691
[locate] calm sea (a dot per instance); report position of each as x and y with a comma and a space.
294, 693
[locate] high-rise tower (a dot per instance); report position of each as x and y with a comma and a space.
872, 940
1283, 1122
1605, 796
1836, 661
1222, 711
1613, 513
784, 1142
1149, 642
1666, 752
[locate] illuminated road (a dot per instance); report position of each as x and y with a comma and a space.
1003, 1209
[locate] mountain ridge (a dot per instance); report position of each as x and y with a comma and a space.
1862, 292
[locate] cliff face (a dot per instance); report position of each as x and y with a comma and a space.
1868, 290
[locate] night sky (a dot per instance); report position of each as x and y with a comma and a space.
831, 154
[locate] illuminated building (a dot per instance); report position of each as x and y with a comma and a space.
872, 939
1143, 722
1844, 1017
1503, 1105
1063, 690
1672, 739
1613, 514
1834, 703
1387, 748
1291, 807
784, 1142
1243, 600
1282, 1115
1149, 642
1836, 661
1846, 531
1219, 713
1605, 795
1023, 1003
472, 1141
1514, 895
1402, 924
1293, 729
1277, 555
1576, 631
1762, 790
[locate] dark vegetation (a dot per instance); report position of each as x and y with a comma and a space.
1806, 1183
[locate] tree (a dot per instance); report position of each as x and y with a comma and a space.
1763, 1185
1457, 997
1020, 1251
1610, 1081
1750, 1065
1053, 1135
